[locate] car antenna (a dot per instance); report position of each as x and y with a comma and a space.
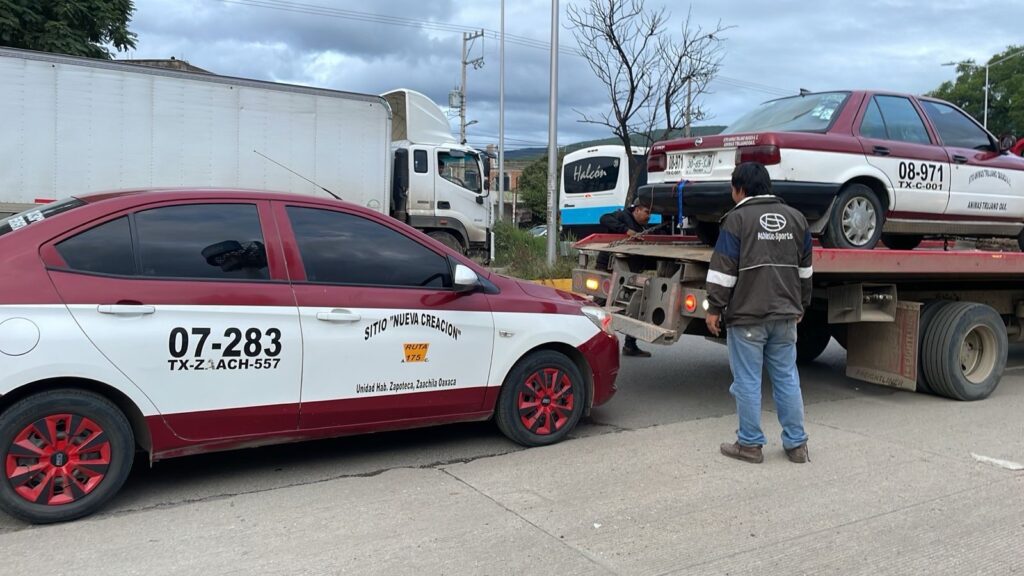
333, 195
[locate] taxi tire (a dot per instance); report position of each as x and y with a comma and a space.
834, 236
507, 414
901, 241
448, 240
92, 406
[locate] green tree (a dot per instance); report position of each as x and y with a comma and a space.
533, 187
77, 27
1006, 99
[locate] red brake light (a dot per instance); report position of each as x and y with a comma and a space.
690, 302
764, 154
657, 161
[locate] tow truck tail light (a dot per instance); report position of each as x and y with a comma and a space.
593, 284
766, 155
657, 161
690, 302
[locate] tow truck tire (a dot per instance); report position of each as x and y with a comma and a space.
448, 239
856, 220
542, 399
84, 445
1020, 241
707, 232
928, 311
964, 351
901, 241
812, 336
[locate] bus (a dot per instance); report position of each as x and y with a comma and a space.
595, 181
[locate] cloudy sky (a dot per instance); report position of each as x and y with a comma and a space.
773, 48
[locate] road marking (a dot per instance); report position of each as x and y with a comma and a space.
997, 462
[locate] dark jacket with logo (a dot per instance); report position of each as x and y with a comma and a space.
761, 268
618, 222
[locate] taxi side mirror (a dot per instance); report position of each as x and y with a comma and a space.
465, 279
1006, 142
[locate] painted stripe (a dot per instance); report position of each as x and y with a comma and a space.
806, 272
592, 215
728, 245
726, 280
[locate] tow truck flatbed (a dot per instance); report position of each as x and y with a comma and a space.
935, 319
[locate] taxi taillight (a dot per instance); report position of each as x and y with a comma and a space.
766, 155
657, 161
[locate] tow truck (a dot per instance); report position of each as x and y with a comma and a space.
934, 320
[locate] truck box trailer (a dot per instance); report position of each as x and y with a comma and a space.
930, 320
75, 125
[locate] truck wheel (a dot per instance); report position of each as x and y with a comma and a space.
448, 240
927, 314
964, 351
707, 232
812, 336
901, 241
839, 332
65, 453
856, 219
541, 400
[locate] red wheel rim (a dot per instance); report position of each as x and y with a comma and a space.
58, 459
546, 401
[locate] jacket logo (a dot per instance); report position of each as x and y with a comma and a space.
773, 222
698, 141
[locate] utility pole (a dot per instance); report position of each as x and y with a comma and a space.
553, 141
477, 63
501, 120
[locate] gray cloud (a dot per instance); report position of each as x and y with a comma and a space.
787, 44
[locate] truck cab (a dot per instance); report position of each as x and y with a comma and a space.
439, 185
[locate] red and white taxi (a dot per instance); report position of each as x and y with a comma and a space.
861, 165
175, 322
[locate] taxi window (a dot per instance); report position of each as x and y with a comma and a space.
955, 128
103, 249
207, 241
38, 214
340, 248
902, 122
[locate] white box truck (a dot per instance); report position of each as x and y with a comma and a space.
74, 125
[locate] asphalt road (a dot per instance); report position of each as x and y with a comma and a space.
894, 487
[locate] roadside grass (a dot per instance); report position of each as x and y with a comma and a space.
523, 255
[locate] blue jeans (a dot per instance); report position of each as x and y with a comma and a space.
750, 347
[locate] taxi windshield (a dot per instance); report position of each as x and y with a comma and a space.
807, 113
37, 214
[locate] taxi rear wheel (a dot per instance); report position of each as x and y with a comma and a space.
63, 455
856, 220
542, 399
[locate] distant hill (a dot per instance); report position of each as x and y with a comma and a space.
531, 154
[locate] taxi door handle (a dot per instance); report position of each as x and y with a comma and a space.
125, 309
880, 151
338, 315
958, 159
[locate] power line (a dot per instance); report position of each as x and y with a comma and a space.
318, 10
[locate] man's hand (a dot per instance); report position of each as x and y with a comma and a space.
714, 324
631, 233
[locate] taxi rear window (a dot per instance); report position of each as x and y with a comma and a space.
37, 214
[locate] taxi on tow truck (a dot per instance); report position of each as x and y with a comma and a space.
176, 322
862, 166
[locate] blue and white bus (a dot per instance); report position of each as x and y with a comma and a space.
594, 182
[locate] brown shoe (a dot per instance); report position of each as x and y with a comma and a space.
738, 451
798, 455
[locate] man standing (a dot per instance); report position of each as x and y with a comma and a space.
630, 222
760, 279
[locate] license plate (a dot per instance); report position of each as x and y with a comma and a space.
693, 164
699, 163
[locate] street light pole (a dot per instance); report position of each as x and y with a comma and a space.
988, 86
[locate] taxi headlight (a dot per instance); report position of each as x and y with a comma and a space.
599, 317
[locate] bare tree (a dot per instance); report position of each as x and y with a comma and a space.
653, 80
